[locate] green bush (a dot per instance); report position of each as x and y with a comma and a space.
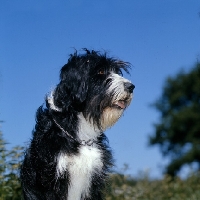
168, 188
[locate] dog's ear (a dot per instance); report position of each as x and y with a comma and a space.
75, 77
73, 86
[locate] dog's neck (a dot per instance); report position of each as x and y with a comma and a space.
87, 130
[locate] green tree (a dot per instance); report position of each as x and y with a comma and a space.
2, 165
178, 131
10, 161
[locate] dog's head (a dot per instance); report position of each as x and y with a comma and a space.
92, 83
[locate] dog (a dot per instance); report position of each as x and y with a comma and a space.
68, 157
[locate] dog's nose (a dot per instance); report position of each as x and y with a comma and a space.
129, 87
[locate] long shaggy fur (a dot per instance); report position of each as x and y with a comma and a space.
69, 157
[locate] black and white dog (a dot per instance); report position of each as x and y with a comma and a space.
69, 158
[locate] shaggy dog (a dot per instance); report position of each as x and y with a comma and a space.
69, 157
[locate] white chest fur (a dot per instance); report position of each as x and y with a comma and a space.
83, 165
80, 168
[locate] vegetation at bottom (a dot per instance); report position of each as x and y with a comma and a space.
143, 188
9, 171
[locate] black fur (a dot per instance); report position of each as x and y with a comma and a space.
82, 89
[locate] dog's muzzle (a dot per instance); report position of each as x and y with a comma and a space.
129, 87
125, 101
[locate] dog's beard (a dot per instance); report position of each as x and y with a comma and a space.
111, 113
110, 116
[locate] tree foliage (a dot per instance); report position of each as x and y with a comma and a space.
9, 171
178, 131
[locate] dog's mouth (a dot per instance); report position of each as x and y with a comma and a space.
121, 104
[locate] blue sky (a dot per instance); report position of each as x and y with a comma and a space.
159, 37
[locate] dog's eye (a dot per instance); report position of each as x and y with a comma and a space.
101, 72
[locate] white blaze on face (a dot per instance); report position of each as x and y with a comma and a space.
120, 100
117, 85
